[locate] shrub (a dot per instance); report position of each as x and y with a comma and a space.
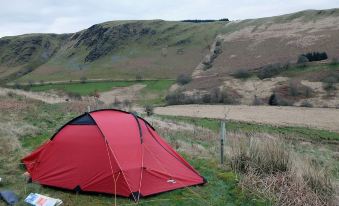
127, 103
149, 109
266, 156
329, 83
257, 101
306, 103
242, 74
183, 79
17, 85
216, 96
30, 83
316, 56
74, 95
207, 65
302, 59
138, 77
83, 80
271, 70
317, 178
277, 100
273, 101
10, 94
175, 97
334, 61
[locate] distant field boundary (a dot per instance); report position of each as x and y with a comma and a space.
320, 118
86, 81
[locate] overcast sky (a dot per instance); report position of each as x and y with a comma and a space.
64, 16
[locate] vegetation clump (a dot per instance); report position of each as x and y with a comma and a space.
215, 96
183, 79
149, 109
270, 170
329, 84
315, 56
242, 74
271, 70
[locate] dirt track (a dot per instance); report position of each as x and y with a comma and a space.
322, 118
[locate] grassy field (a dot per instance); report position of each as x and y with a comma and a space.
87, 88
300, 71
31, 122
309, 134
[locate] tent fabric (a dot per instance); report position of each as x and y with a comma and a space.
110, 151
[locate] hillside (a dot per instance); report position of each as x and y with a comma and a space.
253, 43
212, 52
111, 50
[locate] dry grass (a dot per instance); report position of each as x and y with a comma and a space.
265, 156
269, 169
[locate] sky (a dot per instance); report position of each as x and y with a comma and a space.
66, 16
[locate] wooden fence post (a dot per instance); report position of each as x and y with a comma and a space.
222, 140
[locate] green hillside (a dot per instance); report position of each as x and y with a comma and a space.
111, 50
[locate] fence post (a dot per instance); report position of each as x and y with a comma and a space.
222, 140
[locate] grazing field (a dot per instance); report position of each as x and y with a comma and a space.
321, 118
87, 88
27, 123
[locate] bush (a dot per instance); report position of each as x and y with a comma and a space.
334, 61
306, 103
216, 96
266, 156
316, 56
11, 94
242, 74
74, 95
175, 97
271, 70
138, 77
257, 101
302, 59
273, 100
149, 109
329, 83
277, 100
83, 80
183, 79
317, 178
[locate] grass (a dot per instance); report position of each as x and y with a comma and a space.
82, 88
234, 126
299, 70
87, 88
222, 188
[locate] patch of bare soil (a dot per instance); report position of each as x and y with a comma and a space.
322, 118
42, 96
129, 93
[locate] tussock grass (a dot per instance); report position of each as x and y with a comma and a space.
269, 169
265, 156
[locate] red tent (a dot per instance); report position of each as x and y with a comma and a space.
110, 151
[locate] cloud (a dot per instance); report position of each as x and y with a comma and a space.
55, 16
